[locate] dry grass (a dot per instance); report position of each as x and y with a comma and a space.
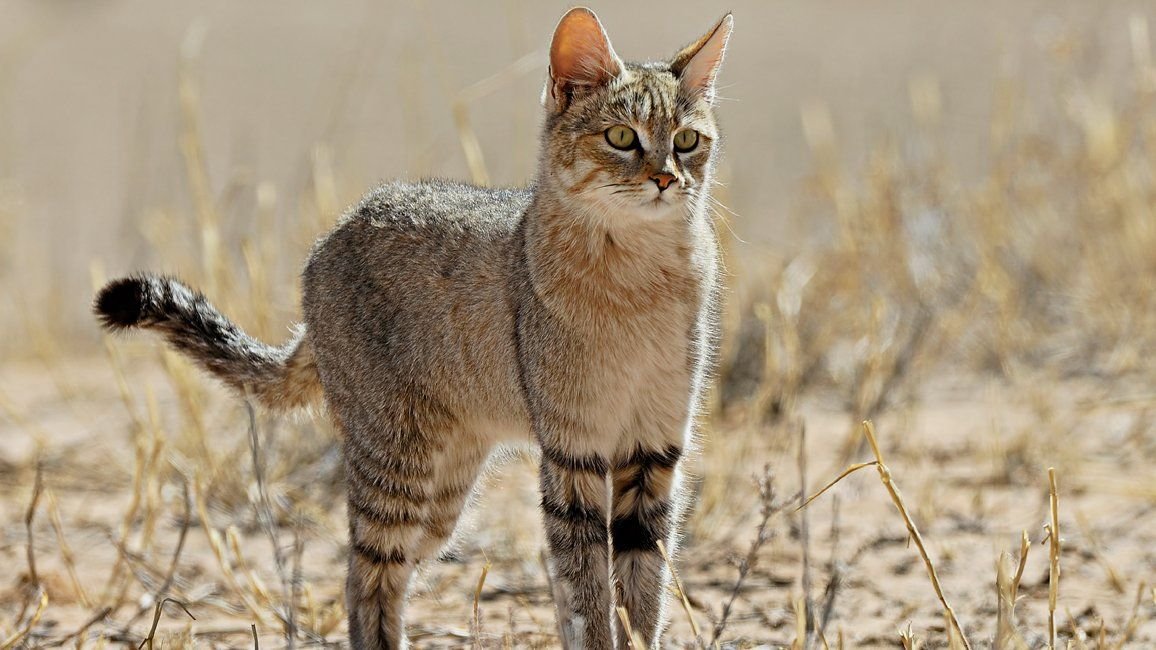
1025, 295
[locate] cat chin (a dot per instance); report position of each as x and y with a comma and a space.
650, 210
618, 213
659, 208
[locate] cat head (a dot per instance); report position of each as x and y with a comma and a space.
629, 141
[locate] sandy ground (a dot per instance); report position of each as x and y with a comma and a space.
290, 95
969, 455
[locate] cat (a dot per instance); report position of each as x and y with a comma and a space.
442, 320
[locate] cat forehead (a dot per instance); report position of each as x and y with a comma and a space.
650, 92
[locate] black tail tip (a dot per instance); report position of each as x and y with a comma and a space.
120, 304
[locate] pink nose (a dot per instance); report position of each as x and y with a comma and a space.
663, 180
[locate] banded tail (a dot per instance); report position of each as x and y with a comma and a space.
279, 378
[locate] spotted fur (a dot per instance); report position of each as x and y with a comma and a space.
444, 320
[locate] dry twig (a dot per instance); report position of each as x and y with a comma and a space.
681, 592
768, 509
912, 530
1054, 541
268, 522
477, 622
157, 619
34, 592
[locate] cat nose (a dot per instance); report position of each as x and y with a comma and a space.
663, 180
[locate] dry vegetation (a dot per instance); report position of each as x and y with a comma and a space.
993, 328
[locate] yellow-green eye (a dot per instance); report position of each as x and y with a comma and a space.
685, 140
621, 137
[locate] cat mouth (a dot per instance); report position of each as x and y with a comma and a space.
662, 200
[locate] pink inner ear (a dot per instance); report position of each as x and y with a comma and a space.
581, 53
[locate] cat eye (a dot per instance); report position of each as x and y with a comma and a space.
685, 140
621, 137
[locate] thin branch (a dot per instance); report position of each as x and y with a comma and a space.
170, 575
912, 530
834, 571
264, 509
29, 515
157, 619
1054, 556
805, 539
769, 509
681, 592
98, 617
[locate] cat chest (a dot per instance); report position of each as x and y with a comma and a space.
642, 347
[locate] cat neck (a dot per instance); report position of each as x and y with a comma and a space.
577, 254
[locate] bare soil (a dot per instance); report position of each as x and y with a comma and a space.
969, 455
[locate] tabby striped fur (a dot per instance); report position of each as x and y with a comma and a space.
444, 320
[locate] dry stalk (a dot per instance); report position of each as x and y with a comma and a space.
1097, 547
268, 522
799, 606
912, 530
471, 147
561, 603
477, 622
186, 518
114, 591
260, 591
1025, 545
768, 509
66, 550
148, 450
908, 639
191, 143
157, 619
834, 571
221, 553
96, 618
624, 616
1133, 620
34, 592
17, 637
297, 578
805, 540
29, 516
681, 593
170, 575
1054, 541
953, 639
847, 472
1007, 589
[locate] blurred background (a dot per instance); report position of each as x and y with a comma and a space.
937, 215
93, 131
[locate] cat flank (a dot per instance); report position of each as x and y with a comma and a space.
443, 320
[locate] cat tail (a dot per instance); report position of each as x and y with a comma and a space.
279, 378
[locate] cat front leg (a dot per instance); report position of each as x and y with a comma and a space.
647, 484
575, 496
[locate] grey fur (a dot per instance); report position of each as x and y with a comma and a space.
444, 320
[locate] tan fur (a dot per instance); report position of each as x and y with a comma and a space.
443, 321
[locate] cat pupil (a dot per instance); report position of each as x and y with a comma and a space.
685, 140
621, 137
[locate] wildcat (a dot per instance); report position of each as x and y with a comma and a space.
443, 320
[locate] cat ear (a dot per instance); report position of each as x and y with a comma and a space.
698, 64
580, 57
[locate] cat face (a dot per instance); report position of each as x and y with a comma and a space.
629, 141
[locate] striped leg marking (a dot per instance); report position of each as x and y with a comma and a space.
402, 509
645, 485
574, 507
387, 498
